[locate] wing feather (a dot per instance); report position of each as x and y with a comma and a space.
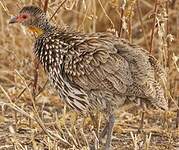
102, 68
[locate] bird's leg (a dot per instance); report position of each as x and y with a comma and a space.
109, 131
104, 131
142, 116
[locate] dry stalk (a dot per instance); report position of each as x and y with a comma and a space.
142, 24
153, 28
122, 18
61, 4
104, 11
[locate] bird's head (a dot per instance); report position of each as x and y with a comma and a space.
32, 17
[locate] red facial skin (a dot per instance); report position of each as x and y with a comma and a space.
20, 18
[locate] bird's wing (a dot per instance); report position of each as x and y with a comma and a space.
96, 65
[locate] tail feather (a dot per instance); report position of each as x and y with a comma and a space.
158, 68
160, 100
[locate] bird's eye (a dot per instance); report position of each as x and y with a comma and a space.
24, 16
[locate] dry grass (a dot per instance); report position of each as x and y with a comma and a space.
38, 122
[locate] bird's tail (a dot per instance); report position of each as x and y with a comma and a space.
158, 68
160, 100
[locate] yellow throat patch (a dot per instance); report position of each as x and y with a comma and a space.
37, 31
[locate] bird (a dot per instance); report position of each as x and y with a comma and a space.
93, 71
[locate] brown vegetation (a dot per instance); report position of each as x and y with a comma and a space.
33, 117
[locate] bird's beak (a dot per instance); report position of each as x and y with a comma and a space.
13, 20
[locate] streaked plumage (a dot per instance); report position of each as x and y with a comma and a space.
97, 70
94, 70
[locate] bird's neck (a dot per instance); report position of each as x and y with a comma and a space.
41, 29
48, 27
